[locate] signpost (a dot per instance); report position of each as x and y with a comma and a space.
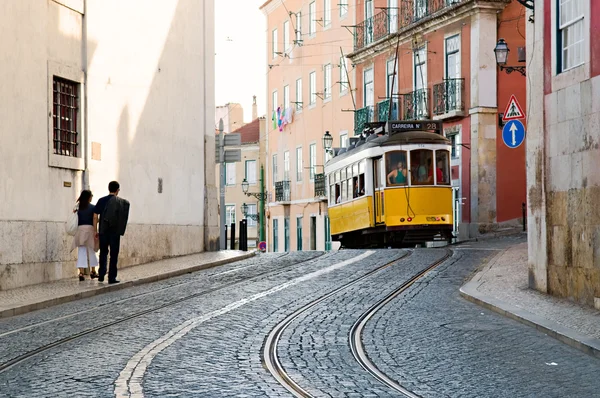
513, 134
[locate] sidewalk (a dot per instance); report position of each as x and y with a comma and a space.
501, 286
35, 297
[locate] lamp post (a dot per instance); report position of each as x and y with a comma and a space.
501, 51
327, 141
262, 197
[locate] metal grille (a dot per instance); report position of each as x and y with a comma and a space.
448, 96
65, 113
362, 116
320, 185
282, 191
415, 105
371, 30
383, 110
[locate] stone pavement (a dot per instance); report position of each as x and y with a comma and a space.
501, 286
35, 297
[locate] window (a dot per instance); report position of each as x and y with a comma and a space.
420, 9
392, 16
570, 38
344, 85
274, 43
299, 28
251, 215
327, 13
65, 117
286, 234
312, 79
343, 7
286, 166
453, 57
420, 84
274, 169
312, 18
396, 168
286, 97
421, 167
369, 90
229, 214
274, 100
275, 235
286, 36
454, 143
298, 94
392, 78
299, 164
230, 173
343, 140
299, 233
442, 167
251, 171
327, 82
369, 23
312, 158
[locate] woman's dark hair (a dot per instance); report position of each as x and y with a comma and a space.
84, 199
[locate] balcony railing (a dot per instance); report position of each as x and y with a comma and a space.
320, 185
415, 105
448, 97
391, 21
371, 29
282, 191
361, 118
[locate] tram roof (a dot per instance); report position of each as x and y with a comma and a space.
394, 139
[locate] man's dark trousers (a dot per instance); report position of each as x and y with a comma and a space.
110, 240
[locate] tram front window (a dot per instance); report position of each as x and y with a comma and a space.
421, 168
442, 160
397, 174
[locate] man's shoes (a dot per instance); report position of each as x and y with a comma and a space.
113, 282
100, 279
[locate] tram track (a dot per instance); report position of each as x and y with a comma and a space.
274, 366
30, 354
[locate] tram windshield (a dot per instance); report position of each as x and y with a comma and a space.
421, 167
442, 160
397, 173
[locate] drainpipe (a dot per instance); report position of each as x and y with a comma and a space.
84, 66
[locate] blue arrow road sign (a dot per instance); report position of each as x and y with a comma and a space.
513, 133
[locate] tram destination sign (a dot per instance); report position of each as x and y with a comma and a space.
416, 125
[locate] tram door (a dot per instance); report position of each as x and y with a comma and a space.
378, 191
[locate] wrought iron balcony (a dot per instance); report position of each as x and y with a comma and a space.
448, 98
383, 110
282, 191
393, 20
320, 185
415, 105
371, 29
361, 118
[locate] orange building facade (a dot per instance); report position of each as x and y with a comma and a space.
434, 59
309, 91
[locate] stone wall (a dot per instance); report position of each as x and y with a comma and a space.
38, 252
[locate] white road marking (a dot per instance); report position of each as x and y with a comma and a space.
129, 382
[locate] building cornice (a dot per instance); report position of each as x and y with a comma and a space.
270, 5
432, 23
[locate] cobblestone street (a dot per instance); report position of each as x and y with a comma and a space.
203, 334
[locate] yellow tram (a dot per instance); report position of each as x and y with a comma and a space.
392, 187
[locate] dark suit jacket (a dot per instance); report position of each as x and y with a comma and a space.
115, 216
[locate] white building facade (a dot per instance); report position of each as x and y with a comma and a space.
100, 91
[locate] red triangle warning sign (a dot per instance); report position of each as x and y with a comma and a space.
513, 110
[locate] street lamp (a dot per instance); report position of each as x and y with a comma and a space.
501, 51
262, 197
257, 195
327, 141
253, 217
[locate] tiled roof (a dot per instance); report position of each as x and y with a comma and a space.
249, 132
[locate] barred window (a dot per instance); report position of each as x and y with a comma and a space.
65, 117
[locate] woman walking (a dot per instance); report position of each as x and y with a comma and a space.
85, 237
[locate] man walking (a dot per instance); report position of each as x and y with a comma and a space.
113, 213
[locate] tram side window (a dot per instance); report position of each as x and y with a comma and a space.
359, 186
442, 161
397, 174
344, 191
421, 167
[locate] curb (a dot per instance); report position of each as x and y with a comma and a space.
112, 288
493, 235
565, 335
